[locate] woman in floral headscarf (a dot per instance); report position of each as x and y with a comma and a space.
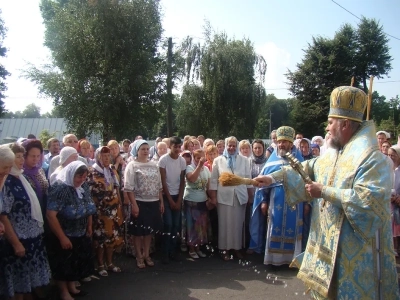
108, 222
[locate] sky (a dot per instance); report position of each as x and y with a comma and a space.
279, 30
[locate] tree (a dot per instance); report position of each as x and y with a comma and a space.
329, 63
3, 71
44, 136
31, 111
225, 95
105, 71
372, 57
55, 113
380, 108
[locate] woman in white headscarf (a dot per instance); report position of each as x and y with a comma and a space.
69, 211
108, 221
24, 265
232, 200
142, 184
67, 155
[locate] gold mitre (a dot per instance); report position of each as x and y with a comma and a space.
285, 133
347, 102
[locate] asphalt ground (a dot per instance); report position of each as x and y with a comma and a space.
203, 278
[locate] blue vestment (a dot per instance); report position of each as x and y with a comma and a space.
285, 220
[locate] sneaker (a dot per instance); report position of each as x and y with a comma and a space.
201, 254
193, 255
86, 279
184, 248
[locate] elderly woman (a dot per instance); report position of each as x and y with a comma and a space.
232, 200
108, 222
142, 184
69, 212
34, 172
67, 155
24, 265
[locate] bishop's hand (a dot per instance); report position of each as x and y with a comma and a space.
263, 180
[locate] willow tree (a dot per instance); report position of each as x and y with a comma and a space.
228, 79
104, 74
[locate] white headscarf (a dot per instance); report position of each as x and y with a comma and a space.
36, 211
67, 175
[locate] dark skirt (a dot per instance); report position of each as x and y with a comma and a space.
71, 264
20, 275
149, 220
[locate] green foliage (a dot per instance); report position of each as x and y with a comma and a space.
44, 136
104, 74
30, 111
222, 96
329, 63
3, 71
380, 108
372, 57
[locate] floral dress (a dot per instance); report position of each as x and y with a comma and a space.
108, 221
22, 274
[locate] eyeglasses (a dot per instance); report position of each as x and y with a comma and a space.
71, 141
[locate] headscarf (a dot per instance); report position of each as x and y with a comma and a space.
32, 172
231, 158
66, 152
309, 154
36, 211
136, 145
258, 159
109, 175
317, 137
67, 175
396, 148
315, 146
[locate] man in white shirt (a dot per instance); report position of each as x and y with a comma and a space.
172, 169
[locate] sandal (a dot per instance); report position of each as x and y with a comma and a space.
140, 263
193, 255
113, 268
225, 255
149, 262
102, 271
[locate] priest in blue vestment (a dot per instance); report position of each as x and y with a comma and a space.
281, 239
349, 253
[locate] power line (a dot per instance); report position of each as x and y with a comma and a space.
360, 18
387, 81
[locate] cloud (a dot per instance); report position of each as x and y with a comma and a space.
278, 61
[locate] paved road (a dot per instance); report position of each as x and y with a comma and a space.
206, 278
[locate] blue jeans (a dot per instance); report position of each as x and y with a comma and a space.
172, 222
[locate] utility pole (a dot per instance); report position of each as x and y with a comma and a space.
169, 88
270, 121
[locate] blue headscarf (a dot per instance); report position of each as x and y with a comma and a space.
231, 158
136, 145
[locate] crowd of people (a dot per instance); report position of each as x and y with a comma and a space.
66, 213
